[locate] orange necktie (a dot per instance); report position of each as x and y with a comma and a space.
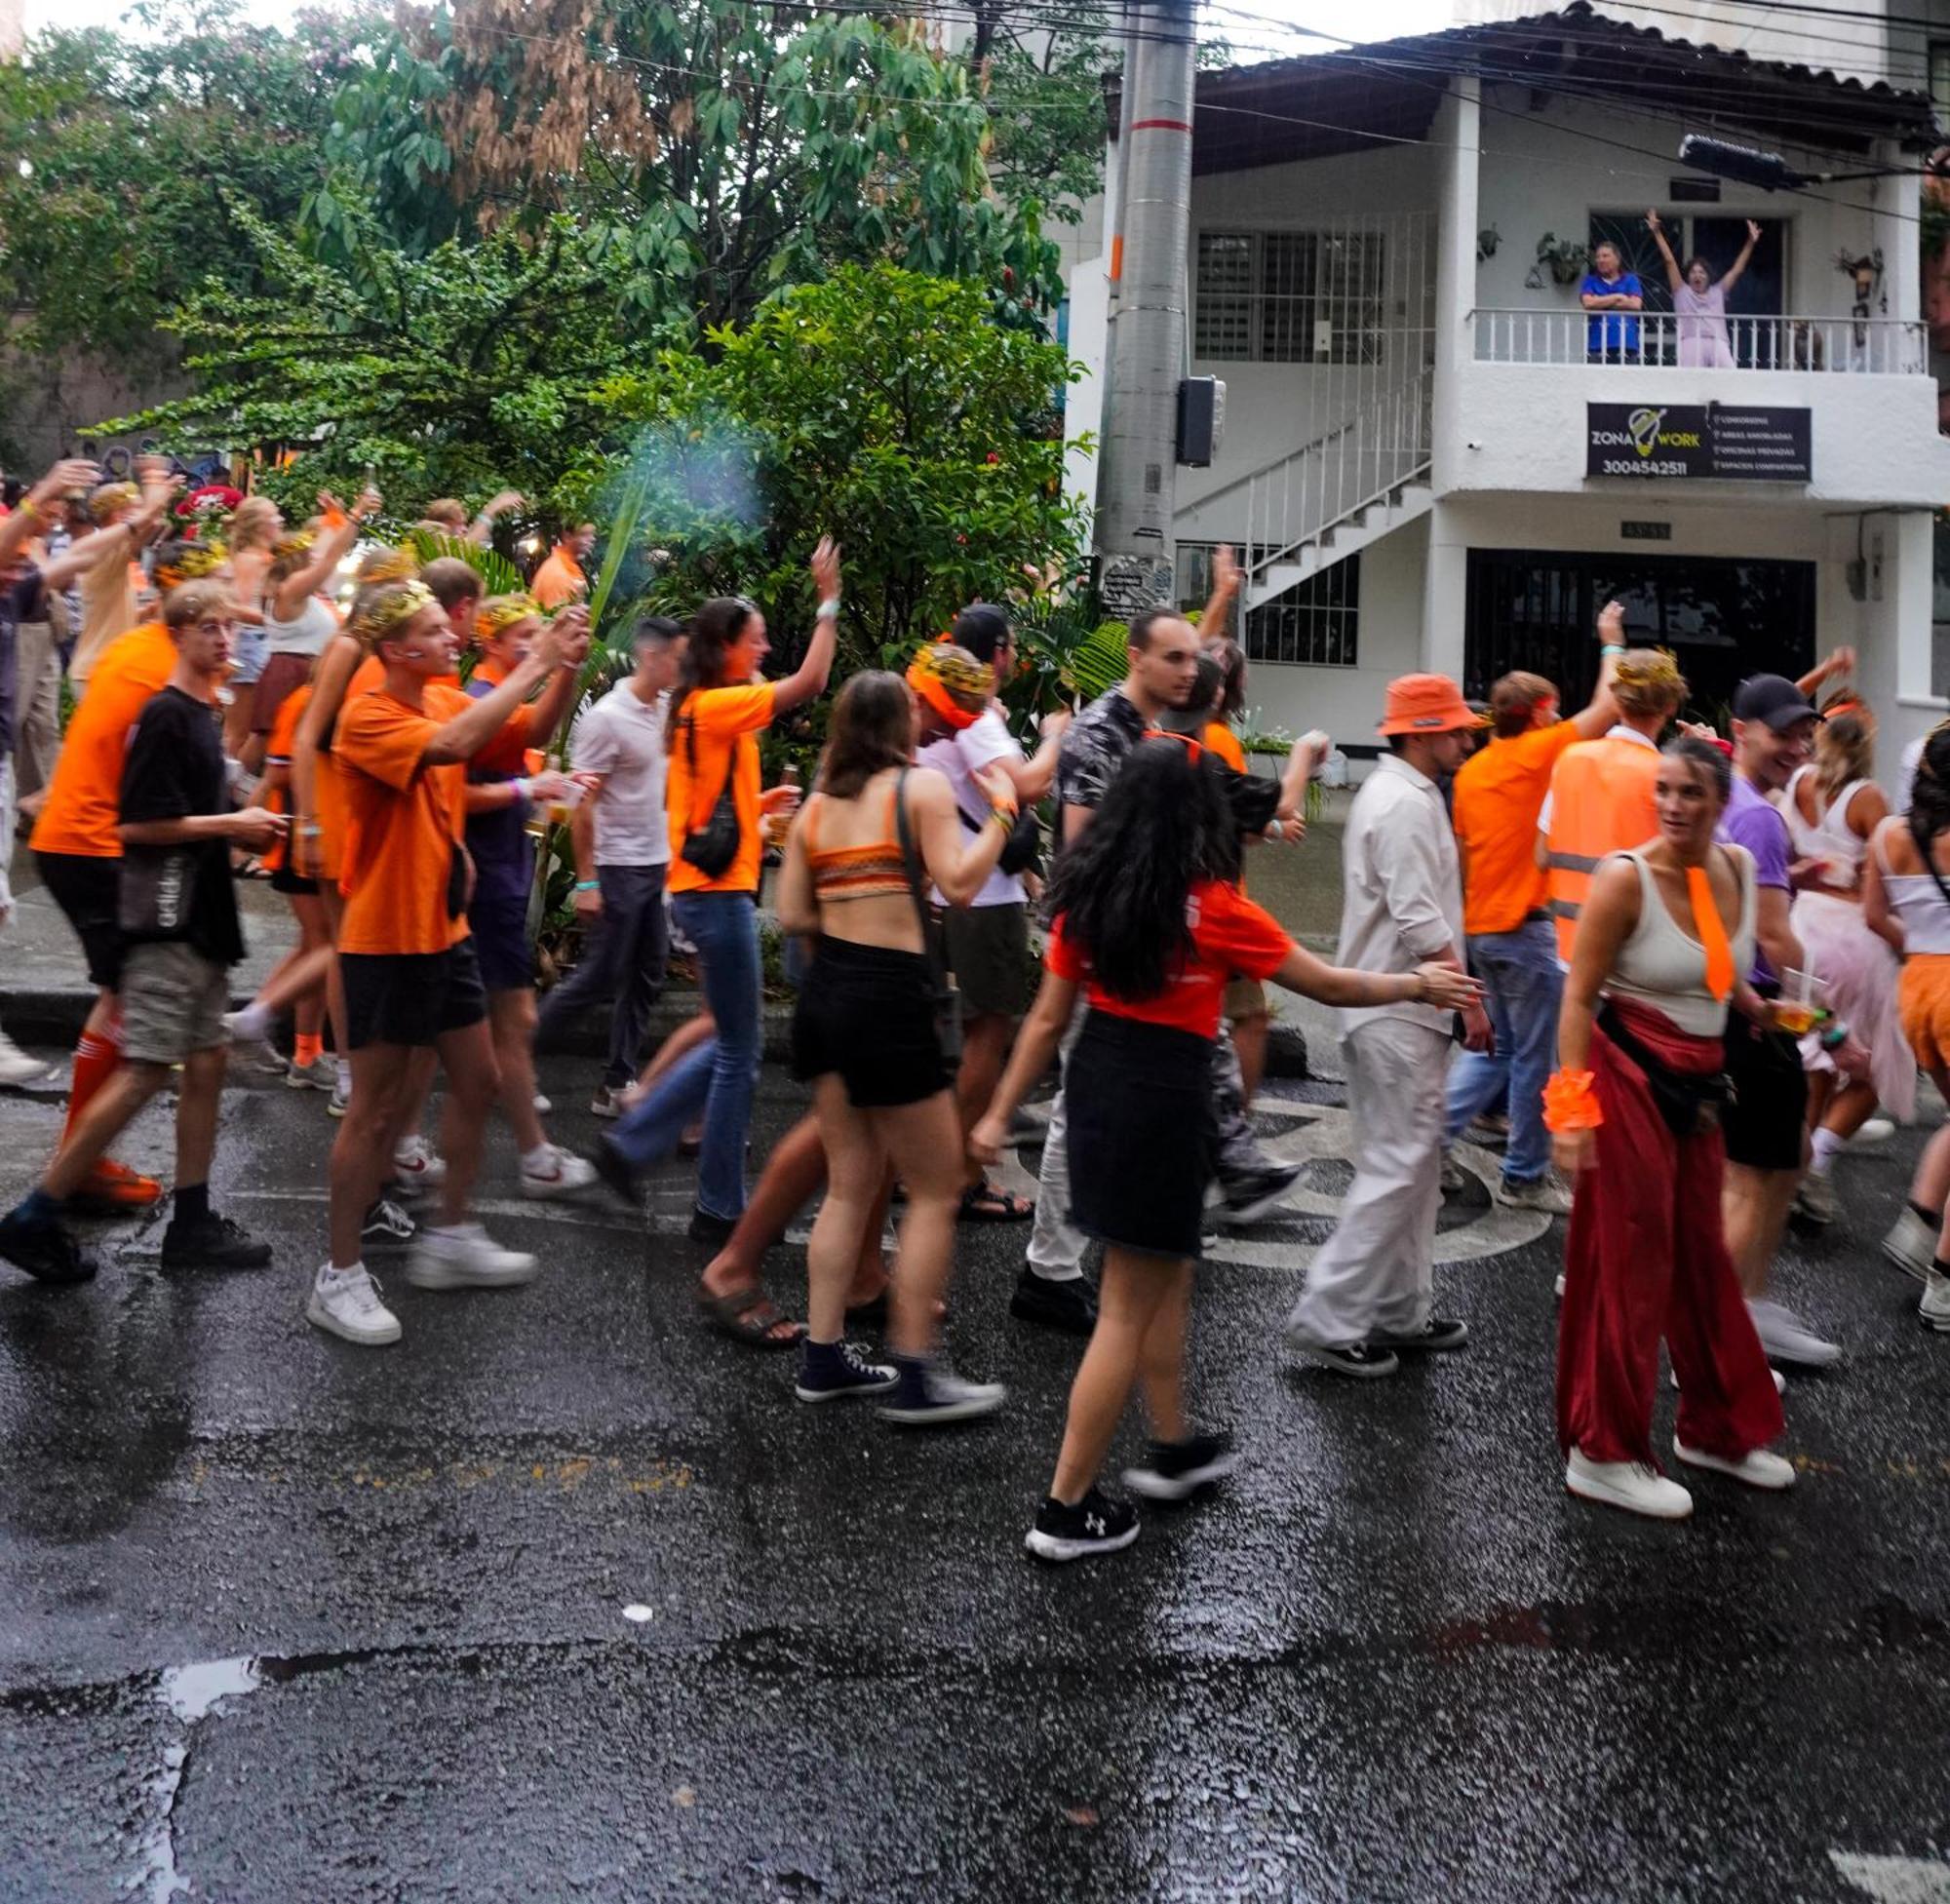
1712, 934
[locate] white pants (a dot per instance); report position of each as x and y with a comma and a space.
1375, 1273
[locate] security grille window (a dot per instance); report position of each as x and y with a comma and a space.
1939, 77
1291, 297
1314, 624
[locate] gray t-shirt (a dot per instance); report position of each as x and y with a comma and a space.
622, 738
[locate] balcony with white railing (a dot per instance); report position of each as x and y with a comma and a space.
1658, 341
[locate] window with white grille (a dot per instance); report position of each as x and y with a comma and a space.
1314, 624
1291, 297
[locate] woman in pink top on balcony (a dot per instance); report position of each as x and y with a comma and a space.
1698, 302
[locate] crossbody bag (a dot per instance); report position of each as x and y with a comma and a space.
713, 846
1690, 1105
943, 997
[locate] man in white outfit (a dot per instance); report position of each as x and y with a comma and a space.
1367, 1296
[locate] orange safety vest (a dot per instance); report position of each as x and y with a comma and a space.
1601, 803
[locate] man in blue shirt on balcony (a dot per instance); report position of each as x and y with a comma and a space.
1608, 293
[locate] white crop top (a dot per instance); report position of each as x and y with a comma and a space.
1830, 837
1665, 968
1916, 899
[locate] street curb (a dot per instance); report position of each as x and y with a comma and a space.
53, 1015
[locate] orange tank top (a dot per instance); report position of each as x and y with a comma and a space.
875, 871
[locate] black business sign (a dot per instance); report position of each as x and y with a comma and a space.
1724, 442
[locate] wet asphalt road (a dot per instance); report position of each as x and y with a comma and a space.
290, 1621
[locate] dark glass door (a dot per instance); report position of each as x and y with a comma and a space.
1723, 618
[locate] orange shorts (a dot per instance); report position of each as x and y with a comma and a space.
1924, 999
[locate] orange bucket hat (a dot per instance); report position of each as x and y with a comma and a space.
1425, 704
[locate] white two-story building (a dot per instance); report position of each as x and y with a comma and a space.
1429, 466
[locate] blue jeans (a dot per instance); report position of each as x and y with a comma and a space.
720, 1076
1523, 990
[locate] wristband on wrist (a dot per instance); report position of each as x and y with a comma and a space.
585, 885
1003, 816
1613, 647
829, 609
523, 787
1834, 1037
1570, 1103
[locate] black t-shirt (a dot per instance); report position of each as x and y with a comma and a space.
174, 771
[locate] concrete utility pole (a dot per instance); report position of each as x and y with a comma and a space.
1138, 484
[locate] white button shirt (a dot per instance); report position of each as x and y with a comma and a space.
1402, 886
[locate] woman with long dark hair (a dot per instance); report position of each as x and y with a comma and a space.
1906, 899
857, 872
719, 707
1148, 921
1664, 944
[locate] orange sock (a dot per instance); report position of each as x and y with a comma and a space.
94, 1061
307, 1048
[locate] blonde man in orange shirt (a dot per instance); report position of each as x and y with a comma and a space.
77, 848
1512, 946
560, 579
405, 957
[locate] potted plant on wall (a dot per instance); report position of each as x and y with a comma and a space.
1562, 258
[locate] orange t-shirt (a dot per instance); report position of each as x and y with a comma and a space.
402, 872
1220, 739
728, 721
85, 796
559, 579
1229, 935
1498, 795
278, 753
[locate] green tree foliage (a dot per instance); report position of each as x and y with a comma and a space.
882, 407
118, 151
456, 373
708, 150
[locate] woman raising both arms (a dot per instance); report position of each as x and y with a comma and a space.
1699, 301
1148, 921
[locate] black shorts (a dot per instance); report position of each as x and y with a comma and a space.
987, 951
500, 927
866, 1012
1141, 1134
1763, 1124
411, 998
284, 880
88, 891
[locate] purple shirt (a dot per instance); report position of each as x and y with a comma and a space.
1752, 821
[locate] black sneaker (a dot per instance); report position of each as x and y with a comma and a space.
1435, 1336
1096, 1525
616, 1171
1174, 1470
1361, 1360
1070, 1305
929, 1394
829, 1372
44, 1250
705, 1227
1248, 1197
213, 1242
386, 1227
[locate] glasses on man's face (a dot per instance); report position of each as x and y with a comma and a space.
214, 627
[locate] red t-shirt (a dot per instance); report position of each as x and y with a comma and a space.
1229, 935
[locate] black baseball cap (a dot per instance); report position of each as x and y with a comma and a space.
1773, 699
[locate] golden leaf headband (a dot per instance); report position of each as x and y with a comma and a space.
388, 565
501, 613
190, 562
1649, 668
383, 611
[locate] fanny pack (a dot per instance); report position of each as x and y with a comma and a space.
1021, 851
1690, 1105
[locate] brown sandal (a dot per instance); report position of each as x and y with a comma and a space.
749, 1316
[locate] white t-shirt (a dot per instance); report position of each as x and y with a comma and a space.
960, 756
623, 738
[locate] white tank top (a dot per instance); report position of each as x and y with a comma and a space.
1915, 900
310, 632
1830, 837
1665, 968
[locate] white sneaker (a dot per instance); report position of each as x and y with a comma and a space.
15, 1067
562, 1175
1779, 1381
1756, 1468
1933, 1311
347, 1303
1814, 1200
1549, 1194
1560, 1285
340, 1101
1627, 1484
250, 1028
417, 1165
466, 1258
1787, 1339
1911, 1244
1877, 1130
321, 1074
